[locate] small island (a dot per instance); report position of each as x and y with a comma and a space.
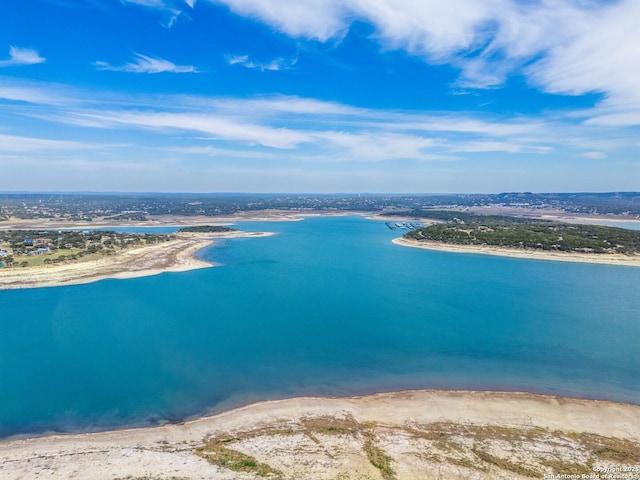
524, 237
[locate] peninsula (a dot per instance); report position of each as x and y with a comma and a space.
44, 258
457, 231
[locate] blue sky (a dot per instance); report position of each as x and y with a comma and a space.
320, 95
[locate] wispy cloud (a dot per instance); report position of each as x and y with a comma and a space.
217, 127
22, 56
146, 64
25, 94
572, 47
235, 59
278, 105
273, 65
318, 19
225, 140
174, 8
306, 129
594, 155
13, 143
162, 4
37, 93
146, 3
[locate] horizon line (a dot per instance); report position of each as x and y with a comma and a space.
398, 194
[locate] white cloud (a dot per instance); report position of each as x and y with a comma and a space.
320, 19
370, 146
22, 56
146, 64
20, 90
433, 28
12, 143
300, 129
625, 117
603, 58
166, 6
25, 94
429, 27
600, 54
594, 155
147, 3
234, 59
333, 130
570, 47
161, 4
288, 105
216, 126
273, 65
213, 152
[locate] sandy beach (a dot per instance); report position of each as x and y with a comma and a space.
607, 259
404, 435
177, 255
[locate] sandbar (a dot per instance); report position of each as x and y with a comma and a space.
176, 255
404, 435
606, 259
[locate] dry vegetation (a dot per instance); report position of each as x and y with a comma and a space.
341, 448
403, 435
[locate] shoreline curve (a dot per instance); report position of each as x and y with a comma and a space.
604, 259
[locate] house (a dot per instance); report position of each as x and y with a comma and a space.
43, 242
28, 241
4, 253
40, 251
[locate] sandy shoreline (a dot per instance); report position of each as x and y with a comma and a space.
177, 255
605, 259
328, 438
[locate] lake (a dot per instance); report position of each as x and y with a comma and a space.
328, 306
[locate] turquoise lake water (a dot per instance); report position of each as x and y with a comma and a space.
328, 306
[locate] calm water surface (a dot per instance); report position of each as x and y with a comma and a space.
328, 306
